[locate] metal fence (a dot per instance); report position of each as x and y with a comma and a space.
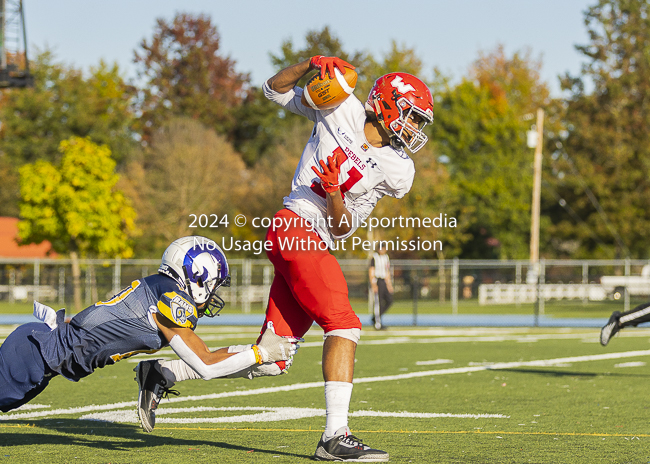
421, 286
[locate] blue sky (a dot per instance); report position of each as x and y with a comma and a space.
445, 34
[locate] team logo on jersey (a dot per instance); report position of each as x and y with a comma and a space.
345, 136
401, 87
365, 147
371, 162
181, 309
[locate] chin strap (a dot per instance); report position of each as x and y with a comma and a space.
394, 140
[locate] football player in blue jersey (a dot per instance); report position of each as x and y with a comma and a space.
151, 313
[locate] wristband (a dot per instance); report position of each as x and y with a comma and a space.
330, 188
258, 355
314, 62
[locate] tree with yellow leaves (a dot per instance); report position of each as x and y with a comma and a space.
74, 205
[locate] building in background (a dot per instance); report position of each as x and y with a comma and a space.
9, 247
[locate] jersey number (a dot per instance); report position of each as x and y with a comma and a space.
354, 176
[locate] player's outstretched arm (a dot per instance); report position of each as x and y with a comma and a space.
195, 353
220, 363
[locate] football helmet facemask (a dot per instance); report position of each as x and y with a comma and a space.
404, 106
200, 268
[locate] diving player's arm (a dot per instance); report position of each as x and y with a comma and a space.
191, 340
220, 363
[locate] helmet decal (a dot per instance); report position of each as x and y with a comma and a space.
401, 87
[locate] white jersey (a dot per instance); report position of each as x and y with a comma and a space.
381, 263
367, 174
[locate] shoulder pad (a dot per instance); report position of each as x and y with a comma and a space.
178, 309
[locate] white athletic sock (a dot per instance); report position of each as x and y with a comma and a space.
177, 370
337, 405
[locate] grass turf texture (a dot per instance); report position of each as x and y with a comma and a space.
580, 411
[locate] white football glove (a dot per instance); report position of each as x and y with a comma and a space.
45, 314
276, 348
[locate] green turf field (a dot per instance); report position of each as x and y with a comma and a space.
425, 395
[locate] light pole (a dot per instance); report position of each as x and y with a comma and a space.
537, 142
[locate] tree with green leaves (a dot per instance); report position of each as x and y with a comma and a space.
480, 129
62, 104
601, 164
74, 205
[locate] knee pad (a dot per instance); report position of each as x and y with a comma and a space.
351, 334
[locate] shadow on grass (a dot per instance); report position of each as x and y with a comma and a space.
557, 373
108, 436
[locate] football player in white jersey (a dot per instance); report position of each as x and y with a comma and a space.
355, 155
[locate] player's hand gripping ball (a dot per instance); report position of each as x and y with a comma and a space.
331, 86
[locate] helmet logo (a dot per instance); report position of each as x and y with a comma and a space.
399, 84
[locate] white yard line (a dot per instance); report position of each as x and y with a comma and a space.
264, 414
302, 386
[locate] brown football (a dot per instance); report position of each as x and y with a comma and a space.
328, 93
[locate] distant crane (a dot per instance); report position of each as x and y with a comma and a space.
14, 65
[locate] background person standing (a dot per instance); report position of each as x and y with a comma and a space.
381, 284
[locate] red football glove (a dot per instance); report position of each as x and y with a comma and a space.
329, 178
327, 64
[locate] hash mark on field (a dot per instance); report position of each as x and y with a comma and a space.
434, 361
631, 364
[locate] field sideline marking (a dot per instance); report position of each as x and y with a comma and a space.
431, 432
301, 386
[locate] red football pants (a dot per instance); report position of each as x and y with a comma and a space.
308, 285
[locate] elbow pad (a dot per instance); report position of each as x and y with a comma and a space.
223, 368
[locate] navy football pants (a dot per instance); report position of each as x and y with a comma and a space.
23, 372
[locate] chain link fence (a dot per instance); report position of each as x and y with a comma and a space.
551, 288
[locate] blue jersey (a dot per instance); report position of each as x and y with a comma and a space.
109, 331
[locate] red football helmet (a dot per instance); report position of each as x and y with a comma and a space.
403, 105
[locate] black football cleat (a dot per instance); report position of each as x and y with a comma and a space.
153, 388
347, 448
610, 329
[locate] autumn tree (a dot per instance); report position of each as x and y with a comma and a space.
74, 205
188, 169
602, 160
183, 74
